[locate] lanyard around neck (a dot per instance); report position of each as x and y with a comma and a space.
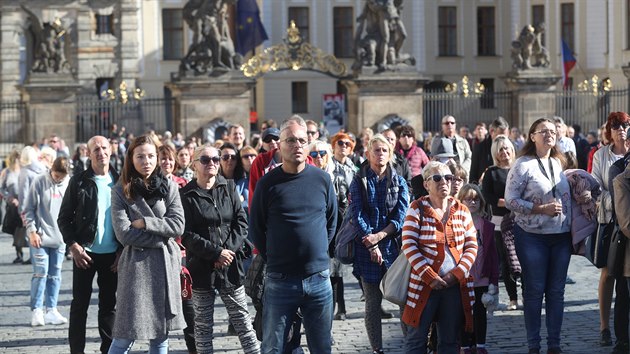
553, 177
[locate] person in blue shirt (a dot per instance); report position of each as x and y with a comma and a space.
379, 199
293, 217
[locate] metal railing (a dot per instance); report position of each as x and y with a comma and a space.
467, 110
95, 117
590, 110
12, 126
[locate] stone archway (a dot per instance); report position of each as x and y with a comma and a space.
390, 121
214, 130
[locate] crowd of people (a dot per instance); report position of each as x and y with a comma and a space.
466, 209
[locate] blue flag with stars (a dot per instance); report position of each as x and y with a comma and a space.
250, 31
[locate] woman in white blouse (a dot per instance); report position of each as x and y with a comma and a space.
538, 193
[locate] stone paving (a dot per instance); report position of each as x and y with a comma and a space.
506, 332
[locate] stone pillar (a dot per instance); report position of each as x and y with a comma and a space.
200, 100
11, 24
51, 106
532, 95
626, 72
373, 97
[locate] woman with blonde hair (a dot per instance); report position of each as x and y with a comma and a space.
12, 221
379, 199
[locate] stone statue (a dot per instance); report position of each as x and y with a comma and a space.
50, 43
527, 50
212, 48
380, 35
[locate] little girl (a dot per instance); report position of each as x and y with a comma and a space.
485, 270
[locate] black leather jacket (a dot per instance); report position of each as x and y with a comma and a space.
215, 220
78, 215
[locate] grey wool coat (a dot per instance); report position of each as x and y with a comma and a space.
149, 296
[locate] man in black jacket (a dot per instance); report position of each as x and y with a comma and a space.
85, 223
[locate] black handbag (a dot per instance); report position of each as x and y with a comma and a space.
12, 219
616, 253
598, 244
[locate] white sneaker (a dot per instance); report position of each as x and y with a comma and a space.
38, 318
54, 317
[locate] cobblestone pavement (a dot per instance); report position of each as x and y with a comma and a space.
506, 332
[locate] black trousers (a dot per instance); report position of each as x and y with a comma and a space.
81, 294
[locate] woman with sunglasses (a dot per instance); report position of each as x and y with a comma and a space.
321, 154
379, 200
439, 240
215, 230
603, 159
232, 168
538, 193
147, 216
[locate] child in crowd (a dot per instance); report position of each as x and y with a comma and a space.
485, 270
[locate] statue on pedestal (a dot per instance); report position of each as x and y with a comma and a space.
50, 42
212, 48
527, 51
380, 36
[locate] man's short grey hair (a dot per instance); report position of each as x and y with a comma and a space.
557, 119
447, 117
500, 123
294, 119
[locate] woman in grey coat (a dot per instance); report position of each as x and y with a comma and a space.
147, 215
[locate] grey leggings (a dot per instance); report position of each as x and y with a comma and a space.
373, 325
236, 306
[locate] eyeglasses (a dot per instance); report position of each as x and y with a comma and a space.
618, 126
343, 143
471, 200
311, 132
248, 156
438, 178
269, 139
408, 135
205, 160
458, 180
315, 154
228, 157
546, 132
449, 123
294, 141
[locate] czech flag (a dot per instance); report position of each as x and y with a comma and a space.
568, 61
250, 30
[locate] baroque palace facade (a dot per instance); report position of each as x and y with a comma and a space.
142, 41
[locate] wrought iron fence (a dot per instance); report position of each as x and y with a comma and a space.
467, 110
96, 117
12, 126
590, 109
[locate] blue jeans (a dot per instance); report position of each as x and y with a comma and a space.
283, 295
444, 307
544, 261
46, 279
123, 346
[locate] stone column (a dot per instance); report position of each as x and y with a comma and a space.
626, 72
51, 106
373, 97
532, 95
200, 100
11, 23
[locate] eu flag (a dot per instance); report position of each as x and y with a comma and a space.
250, 31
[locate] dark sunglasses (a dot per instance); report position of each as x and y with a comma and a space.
438, 178
268, 139
248, 156
617, 126
228, 157
449, 123
205, 160
314, 154
343, 143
